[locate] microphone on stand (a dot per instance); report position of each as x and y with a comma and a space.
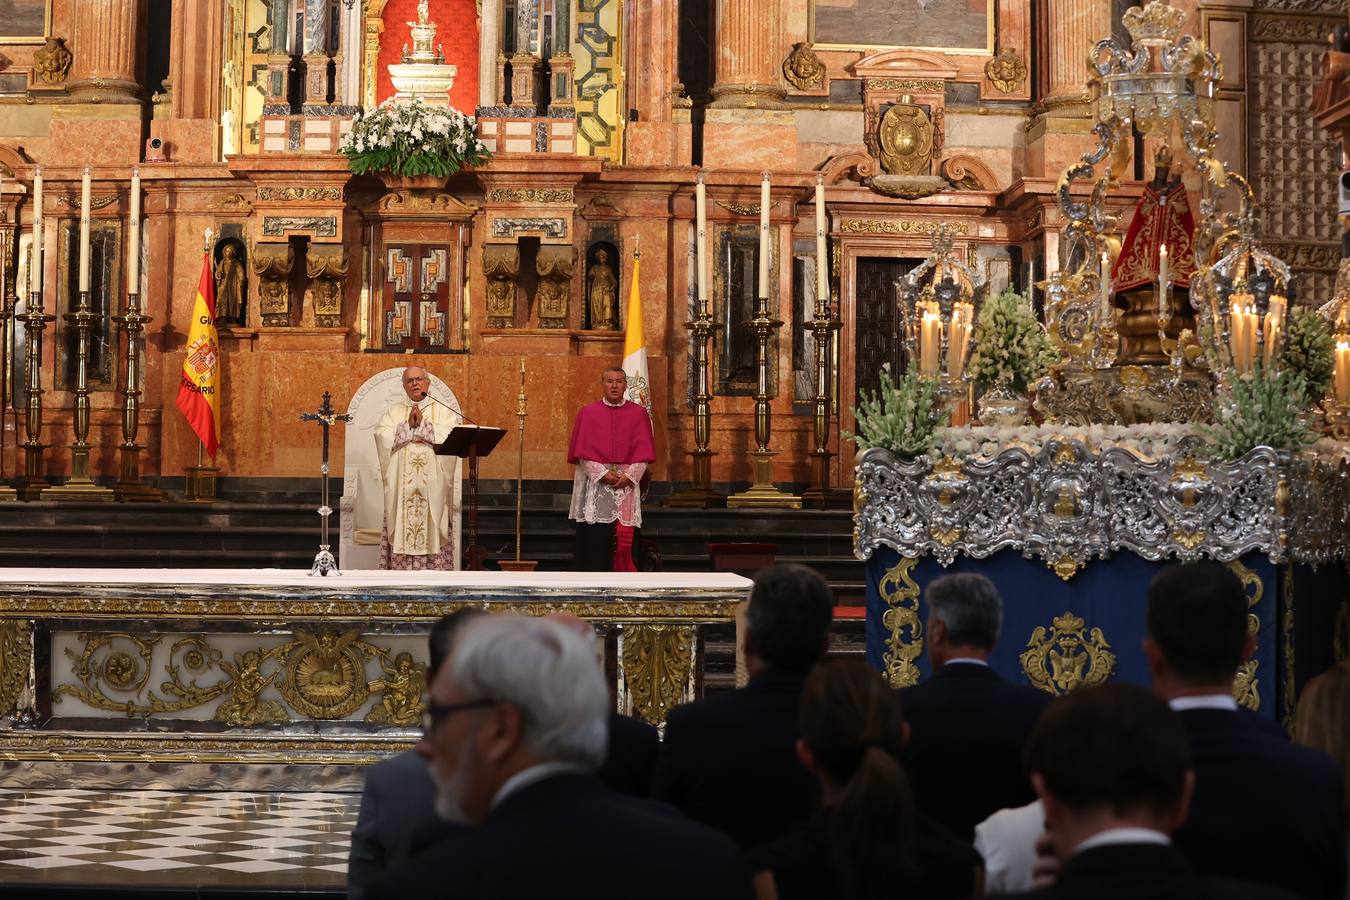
457, 412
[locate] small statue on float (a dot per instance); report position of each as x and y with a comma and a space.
1158, 253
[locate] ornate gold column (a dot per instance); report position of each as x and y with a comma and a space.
104, 44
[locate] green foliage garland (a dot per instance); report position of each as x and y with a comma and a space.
1010, 345
901, 418
1310, 352
1263, 411
413, 139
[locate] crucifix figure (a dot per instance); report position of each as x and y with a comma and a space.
324, 563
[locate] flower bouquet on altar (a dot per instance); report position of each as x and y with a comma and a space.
411, 144
1011, 352
902, 418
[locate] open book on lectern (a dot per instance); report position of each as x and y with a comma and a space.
470, 440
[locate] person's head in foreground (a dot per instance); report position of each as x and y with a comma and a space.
1197, 629
787, 623
965, 616
1322, 721
1107, 757
852, 733
516, 693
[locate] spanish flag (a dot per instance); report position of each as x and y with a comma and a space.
635, 346
199, 386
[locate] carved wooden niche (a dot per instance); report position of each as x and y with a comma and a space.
417, 273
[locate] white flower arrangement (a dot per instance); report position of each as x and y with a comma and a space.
901, 417
413, 139
1011, 346
1147, 442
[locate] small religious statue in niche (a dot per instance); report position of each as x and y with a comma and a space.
603, 293
231, 284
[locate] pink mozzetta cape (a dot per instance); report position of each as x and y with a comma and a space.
612, 434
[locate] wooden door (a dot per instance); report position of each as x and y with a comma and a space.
876, 326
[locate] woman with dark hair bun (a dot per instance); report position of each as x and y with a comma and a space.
867, 842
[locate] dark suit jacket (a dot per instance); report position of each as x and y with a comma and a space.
1144, 872
964, 757
398, 802
630, 763
802, 868
730, 761
570, 836
1264, 809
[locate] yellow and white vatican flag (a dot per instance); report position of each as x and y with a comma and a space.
635, 345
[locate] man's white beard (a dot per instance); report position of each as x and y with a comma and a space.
450, 792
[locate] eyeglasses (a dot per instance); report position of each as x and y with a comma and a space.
436, 713
416, 378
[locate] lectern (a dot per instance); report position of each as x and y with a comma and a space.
470, 442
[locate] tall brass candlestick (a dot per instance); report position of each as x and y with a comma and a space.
518, 564
700, 494
762, 493
7, 410
80, 487
823, 327
129, 486
34, 323
132, 324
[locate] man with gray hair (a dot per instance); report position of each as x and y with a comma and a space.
968, 725
514, 730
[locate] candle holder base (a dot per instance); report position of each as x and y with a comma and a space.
762, 494
32, 489
818, 495
8, 493
1337, 422
518, 565
129, 487
79, 490
699, 494
324, 563
199, 485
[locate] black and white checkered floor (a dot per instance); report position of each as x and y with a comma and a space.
168, 839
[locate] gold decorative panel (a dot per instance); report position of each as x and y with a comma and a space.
904, 628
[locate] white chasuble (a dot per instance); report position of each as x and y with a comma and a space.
419, 486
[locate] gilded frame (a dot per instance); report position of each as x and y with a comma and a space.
991, 19
32, 38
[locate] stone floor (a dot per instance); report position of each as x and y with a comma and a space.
166, 843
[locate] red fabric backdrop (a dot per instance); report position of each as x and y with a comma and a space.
456, 31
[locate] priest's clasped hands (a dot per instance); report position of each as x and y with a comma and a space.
616, 480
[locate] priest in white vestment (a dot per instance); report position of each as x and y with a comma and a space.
420, 531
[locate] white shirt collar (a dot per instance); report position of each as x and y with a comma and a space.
605, 400
1113, 836
526, 777
1204, 701
968, 659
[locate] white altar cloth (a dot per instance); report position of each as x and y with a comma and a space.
608, 582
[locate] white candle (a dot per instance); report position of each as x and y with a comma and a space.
701, 215
822, 263
84, 230
35, 275
764, 236
956, 341
930, 343
1105, 279
1342, 382
134, 248
1162, 282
